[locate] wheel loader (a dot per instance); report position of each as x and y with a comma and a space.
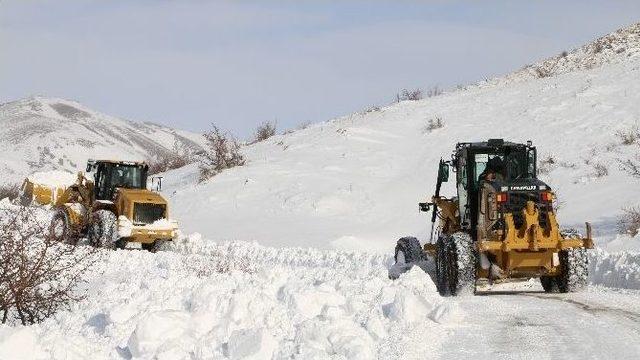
113, 210
500, 225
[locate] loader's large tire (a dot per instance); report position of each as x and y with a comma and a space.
456, 265
103, 229
61, 229
575, 270
408, 250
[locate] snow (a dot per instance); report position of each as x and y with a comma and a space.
53, 179
354, 183
43, 134
18, 343
289, 256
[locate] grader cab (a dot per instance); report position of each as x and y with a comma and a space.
500, 225
113, 210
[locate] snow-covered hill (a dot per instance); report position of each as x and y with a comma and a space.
355, 182
39, 134
616, 47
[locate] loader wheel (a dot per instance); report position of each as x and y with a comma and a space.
575, 270
61, 229
154, 246
456, 265
549, 284
103, 229
408, 250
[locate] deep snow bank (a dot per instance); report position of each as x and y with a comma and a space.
243, 301
616, 270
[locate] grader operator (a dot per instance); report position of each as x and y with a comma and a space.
501, 225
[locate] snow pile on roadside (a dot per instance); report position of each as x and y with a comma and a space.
616, 270
244, 301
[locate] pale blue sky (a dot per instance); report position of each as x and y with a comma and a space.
190, 63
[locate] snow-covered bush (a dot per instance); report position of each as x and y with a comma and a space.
38, 276
629, 221
628, 136
264, 131
222, 152
409, 95
433, 124
10, 191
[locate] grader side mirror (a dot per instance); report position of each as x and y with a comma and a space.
443, 172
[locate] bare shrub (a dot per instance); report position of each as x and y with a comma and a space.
434, 91
546, 164
628, 136
10, 191
179, 156
629, 221
370, 109
631, 166
264, 131
433, 124
542, 72
222, 152
38, 276
304, 125
600, 170
409, 95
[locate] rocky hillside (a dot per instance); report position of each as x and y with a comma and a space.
40, 133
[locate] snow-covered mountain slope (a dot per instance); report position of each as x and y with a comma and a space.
355, 182
40, 133
616, 47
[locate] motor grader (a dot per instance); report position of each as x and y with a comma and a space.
113, 210
501, 225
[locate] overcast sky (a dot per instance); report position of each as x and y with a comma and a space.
190, 63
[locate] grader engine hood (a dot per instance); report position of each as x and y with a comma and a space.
144, 216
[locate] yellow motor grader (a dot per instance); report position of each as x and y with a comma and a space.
501, 225
113, 210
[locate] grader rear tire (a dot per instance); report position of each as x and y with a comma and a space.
456, 265
575, 270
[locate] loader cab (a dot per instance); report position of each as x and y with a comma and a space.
110, 175
470, 161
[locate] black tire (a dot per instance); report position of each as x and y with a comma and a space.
408, 250
456, 265
103, 229
575, 270
549, 284
442, 266
61, 229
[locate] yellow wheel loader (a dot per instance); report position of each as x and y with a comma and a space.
113, 210
500, 225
